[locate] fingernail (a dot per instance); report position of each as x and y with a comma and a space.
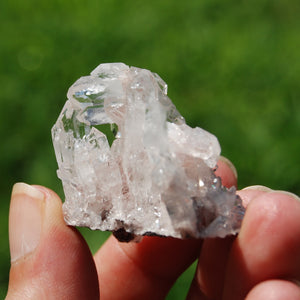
25, 220
260, 188
229, 164
289, 194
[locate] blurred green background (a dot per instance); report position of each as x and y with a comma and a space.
233, 68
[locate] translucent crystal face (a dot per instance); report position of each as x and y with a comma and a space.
130, 164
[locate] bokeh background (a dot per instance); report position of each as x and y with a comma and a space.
233, 68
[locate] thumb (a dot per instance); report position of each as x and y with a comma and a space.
49, 260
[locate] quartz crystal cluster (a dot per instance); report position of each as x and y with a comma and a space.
129, 163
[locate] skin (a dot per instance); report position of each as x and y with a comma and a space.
262, 262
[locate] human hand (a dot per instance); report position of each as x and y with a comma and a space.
51, 260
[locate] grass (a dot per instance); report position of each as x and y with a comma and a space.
232, 68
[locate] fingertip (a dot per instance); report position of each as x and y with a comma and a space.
48, 257
274, 290
229, 164
227, 171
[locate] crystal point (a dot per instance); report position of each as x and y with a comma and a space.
148, 173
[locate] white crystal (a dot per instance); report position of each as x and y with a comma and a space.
157, 176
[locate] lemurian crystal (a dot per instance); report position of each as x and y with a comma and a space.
155, 177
